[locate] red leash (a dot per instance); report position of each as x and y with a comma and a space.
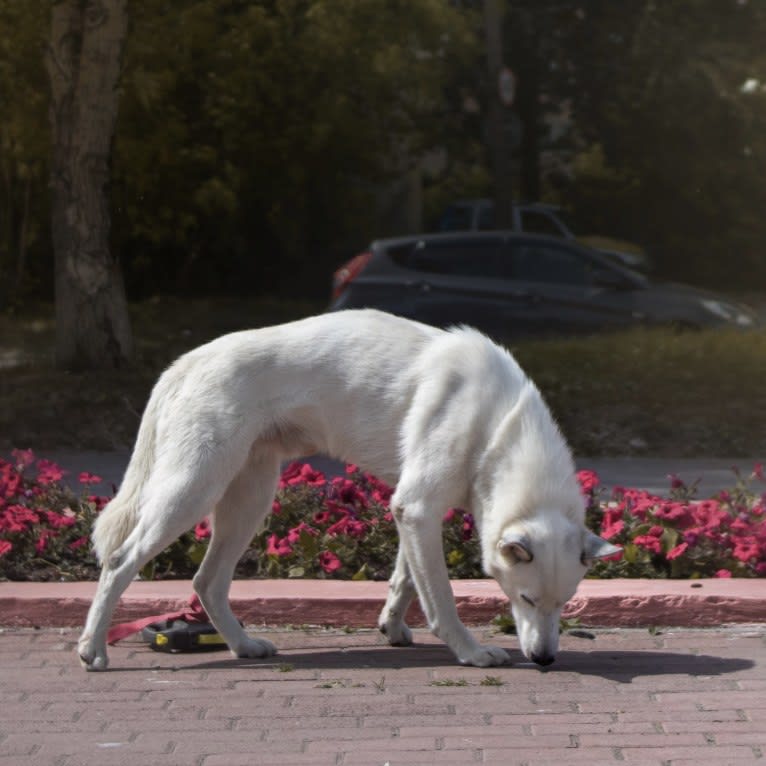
194, 614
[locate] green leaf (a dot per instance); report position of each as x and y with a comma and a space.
196, 552
361, 574
669, 539
631, 553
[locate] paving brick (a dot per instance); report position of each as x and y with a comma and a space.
757, 738
386, 757
644, 740
546, 755
390, 744
629, 697
478, 730
269, 759
704, 755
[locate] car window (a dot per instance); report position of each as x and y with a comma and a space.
533, 262
538, 222
457, 218
468, 258
486, 217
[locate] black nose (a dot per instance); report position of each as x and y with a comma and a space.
543, 659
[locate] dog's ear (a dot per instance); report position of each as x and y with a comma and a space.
516, 547
596, 547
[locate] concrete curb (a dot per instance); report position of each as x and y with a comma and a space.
598, 603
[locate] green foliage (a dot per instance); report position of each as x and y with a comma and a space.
669, 141
24, 148
254, 137
255, 132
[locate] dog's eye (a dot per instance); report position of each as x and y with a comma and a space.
528, 600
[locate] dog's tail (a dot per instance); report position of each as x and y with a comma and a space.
120, 516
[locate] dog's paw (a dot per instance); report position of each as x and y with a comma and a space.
92, 658
485, 657
398, 634
255, 647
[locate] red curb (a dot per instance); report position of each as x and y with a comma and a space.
602, 603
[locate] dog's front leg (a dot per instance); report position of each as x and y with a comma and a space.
420, 533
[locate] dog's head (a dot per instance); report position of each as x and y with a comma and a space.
539, 563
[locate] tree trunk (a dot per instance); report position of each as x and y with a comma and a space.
84, 62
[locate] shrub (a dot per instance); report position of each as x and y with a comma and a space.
342, 528
680, 536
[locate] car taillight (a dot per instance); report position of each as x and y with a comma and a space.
348, 272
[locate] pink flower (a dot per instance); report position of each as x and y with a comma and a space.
679, 550
24, 458
10, 483
329, 562
351, 468
17, 518
42, 541
277, 547
650, 542
588, 481
59, 520
322, 517
746, 549
99, 501
722, 573
5, 547
612, 522
468, 526
89, 478
202, 530
348, 526
345, 491
276, 507
381, 492
678, 513
78, 543
676, 482
301, 473
758, 472
295, 533
48, 472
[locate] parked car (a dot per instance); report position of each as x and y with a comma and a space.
536, 218
510, 284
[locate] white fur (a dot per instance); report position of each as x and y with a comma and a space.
449, 418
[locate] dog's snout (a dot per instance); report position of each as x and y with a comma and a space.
543, 659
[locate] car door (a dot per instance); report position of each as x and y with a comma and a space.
570, 289
466, 280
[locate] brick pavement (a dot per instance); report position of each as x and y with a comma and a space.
340, 698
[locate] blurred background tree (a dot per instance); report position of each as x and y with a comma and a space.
261, 142
84, 62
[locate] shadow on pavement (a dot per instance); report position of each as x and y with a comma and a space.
624, 666
618, 666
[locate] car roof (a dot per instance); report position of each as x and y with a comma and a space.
507, 235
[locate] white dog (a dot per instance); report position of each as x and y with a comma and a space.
448, 417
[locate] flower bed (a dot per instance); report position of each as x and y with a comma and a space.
342, 528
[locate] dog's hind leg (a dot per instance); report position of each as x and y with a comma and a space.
401, 591
164, 517
236, 519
